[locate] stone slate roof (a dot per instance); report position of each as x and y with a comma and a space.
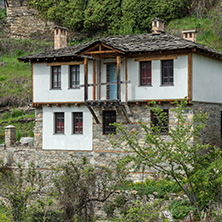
140, 43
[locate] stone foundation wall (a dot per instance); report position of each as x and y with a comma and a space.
38, 128
212, 132
103, 153
25, 22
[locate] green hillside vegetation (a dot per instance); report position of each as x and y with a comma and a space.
15, 77
24, 123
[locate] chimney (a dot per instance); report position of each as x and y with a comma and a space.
157, 26
189, 35
60, 37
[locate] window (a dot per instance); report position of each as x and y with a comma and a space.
160, 122
109, 117
167, 72
145, 73
74, 76
56, 77
59, 123
77, 123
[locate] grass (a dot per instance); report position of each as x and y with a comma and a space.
3, 216
206, 30
15, 82
15, 77
24, 129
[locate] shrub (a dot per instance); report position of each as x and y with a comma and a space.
78, 184
16, 112
180, 208
6, 115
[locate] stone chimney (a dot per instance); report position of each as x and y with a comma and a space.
60, 37
189, 35
157, 26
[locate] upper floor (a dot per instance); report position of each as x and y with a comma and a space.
124, 69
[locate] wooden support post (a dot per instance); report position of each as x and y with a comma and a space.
94, 79
126, 78
100, 74
125, 113
118, 61
190, 74
93, 114
86, 77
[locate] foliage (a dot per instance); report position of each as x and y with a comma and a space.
78, 184
197, 163
159, 189
208, 31
201, 7
140, 211
19, 189
180, 208
113, 17
2, 14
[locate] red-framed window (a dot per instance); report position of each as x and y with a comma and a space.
56, 77
59, 123
78, 123
145, 73
74, 76
167, 72
109, 117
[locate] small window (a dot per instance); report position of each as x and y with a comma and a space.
74, 76
56, 77
167, 72
77, 123
160, 122
59, 123
145, 73
109, 117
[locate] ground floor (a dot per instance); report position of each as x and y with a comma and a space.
74, 127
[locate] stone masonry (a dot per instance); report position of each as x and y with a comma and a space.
24, 21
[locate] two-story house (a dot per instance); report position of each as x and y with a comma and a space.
79, 90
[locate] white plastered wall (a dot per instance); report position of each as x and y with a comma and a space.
68, 140
178, 90
207, 79
42, 89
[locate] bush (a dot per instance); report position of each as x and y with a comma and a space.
180, 208
51, 216
16, 112
6, 115
78, 184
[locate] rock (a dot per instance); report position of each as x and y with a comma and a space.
166, 214
26, 140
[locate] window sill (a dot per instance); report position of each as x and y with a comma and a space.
73, 88
166, 85
145, 86
56, 89
57, 134
77, 134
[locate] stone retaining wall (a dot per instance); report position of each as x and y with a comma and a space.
25, 21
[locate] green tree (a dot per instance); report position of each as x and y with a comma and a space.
102, 15
179, 154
